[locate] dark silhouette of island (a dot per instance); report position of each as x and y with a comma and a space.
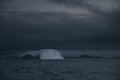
85, 56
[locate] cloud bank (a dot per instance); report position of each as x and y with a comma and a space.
71, 24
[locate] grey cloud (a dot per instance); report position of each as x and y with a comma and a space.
50, 23
70, 2
22, 30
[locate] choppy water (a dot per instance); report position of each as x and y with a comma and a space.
68, 69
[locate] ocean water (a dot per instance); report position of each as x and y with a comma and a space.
14, 68
68, 69
94, 52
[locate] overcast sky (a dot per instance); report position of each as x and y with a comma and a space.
60, 24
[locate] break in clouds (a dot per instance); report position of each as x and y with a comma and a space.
61, 24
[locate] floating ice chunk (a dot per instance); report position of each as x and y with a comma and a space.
50, 54
44, 54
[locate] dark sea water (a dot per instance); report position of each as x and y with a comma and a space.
68, 69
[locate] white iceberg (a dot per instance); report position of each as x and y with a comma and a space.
44, 54
50, 54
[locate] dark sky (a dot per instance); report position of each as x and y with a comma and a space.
60, 24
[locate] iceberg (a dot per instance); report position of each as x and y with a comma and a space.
44, 54
50, 54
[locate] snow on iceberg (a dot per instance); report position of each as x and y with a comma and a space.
50, 54
44, 54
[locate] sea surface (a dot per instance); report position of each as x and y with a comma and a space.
68, 69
